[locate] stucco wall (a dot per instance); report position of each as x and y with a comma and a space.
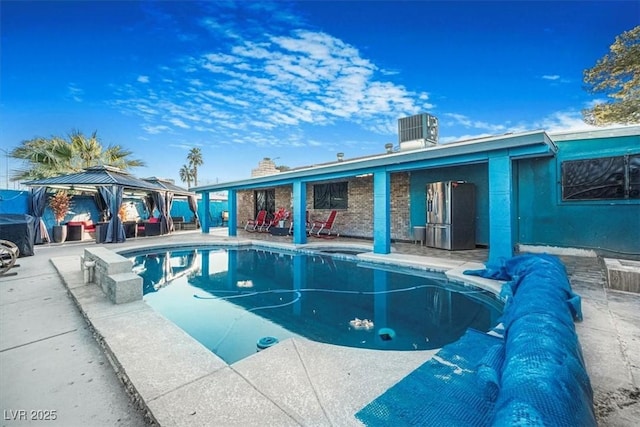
544, 219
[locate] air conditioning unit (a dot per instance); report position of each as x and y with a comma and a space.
419, 131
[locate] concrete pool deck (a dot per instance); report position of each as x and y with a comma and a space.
49, 359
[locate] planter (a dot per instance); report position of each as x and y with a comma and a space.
59, 233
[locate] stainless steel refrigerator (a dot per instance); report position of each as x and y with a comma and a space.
451, 215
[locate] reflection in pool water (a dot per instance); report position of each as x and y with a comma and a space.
228, 299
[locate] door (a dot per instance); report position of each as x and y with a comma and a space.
265, 200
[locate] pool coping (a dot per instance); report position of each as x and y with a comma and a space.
177, 381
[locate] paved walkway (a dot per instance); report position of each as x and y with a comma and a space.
51, 365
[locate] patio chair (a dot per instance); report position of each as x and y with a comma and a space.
151, 227
324, 226
258, 223
280, 215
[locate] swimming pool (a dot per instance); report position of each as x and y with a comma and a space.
234, 299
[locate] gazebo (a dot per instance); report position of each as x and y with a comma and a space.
108, 184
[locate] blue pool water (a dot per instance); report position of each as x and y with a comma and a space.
230, 298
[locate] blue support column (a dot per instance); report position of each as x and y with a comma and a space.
380, 299
299, 279
299, 212
205, 220
381, 213
232, 226
232, 270
500, 207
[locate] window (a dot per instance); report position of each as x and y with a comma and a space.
330, 196
602, 178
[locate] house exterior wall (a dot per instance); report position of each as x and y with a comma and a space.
246, 203
540, 216
357, 220
545, 219
477, 174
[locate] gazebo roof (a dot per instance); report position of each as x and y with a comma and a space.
98, 176
169, 185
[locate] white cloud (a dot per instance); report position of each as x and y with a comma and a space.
563, 121
595, 102
559, 121
177, 122
74, 92
264, 78
461, 119
155, 129
551, 77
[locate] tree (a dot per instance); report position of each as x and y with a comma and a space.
195, 159
616, 75
186, 175
55, 156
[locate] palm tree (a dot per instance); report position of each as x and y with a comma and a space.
186, 175
195, 159
45, 158
88, 150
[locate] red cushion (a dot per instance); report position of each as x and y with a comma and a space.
88, 225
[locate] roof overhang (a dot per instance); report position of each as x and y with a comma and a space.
517, 146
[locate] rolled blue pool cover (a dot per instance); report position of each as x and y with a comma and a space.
532, 375
543, 379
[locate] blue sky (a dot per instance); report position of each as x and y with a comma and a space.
294, 81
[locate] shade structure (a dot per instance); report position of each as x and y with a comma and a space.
110, 183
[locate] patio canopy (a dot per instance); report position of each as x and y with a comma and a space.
110, 183
168, 185
97, 176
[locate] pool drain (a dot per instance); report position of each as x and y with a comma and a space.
387, 334
266, 342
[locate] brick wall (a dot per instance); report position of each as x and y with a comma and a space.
357, 220
265, 167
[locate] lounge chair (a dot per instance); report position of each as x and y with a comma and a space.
323, 226
258, 223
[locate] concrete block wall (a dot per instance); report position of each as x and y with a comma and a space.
113, 273
357, 220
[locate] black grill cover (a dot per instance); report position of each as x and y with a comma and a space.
19, 229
